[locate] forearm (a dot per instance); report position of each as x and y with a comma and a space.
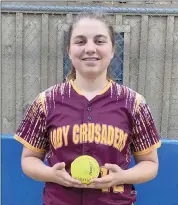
35, 168
140, 173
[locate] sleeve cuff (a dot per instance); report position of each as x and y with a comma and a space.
28, 145
145, 151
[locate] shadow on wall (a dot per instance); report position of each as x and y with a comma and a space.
17, 189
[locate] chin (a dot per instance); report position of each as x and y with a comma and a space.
92, 74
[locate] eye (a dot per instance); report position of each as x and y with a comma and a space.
80, 42
99, 41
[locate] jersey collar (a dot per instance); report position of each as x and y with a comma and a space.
102, 92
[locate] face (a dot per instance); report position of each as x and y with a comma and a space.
90, 48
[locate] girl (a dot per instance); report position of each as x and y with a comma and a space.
89, 114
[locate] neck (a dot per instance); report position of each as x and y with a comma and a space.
90, 85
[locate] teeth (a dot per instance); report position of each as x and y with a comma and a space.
90, 59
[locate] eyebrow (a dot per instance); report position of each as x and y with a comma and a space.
97, 36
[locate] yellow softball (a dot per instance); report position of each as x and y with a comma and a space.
84, 168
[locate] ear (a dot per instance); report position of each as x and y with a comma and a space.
113, 52
68, 52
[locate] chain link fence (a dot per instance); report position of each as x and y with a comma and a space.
146, 59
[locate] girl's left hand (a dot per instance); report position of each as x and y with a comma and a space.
115, 177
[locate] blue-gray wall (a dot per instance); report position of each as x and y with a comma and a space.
17, 189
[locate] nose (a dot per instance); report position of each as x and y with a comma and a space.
90, 47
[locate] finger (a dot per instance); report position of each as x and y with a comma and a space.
92, 186
112, 167
99, 186
85, 186
68, 178
65, 183
82, 186
68, 183
102, 180
59, 166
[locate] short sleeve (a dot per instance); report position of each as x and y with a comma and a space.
32, 129
145, 136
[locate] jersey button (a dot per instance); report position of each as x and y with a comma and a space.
89, 118
89, 109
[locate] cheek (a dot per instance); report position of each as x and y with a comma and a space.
107, 52
75, 52
75, 57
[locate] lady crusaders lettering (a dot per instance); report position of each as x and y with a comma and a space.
89, 133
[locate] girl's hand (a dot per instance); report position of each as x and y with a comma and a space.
115, 177
60, 176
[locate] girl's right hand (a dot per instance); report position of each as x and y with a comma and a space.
60, 176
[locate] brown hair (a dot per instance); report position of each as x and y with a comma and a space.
97, 16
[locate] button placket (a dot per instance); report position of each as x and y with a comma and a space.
88, 119
89, 108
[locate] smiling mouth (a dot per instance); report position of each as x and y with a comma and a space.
90, 59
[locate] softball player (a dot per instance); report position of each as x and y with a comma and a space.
89, 114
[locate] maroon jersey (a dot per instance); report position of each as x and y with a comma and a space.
111, 127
